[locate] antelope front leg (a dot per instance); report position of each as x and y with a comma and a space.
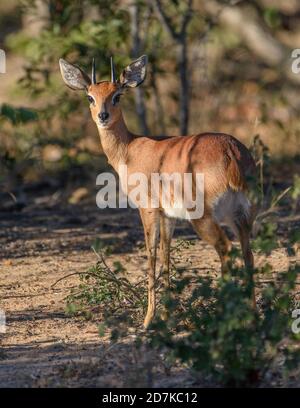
167, 226
150, 219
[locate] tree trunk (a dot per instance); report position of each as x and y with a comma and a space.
159, 110
184, 87
135, 53
180, 38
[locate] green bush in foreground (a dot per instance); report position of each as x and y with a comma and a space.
105, 288
214, 328
218, 333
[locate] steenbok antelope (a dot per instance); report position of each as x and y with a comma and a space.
222, 159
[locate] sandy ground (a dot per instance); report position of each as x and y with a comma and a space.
43, 346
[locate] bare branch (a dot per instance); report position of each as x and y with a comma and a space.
165, 19
186, 18
136, 50
180, 38
254, 35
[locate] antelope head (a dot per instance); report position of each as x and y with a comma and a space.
104, 96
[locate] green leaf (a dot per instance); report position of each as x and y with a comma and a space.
18, 115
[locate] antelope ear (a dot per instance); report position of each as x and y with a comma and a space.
135, 73
73, 76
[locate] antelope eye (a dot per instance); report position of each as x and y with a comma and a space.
116, 99
91, 99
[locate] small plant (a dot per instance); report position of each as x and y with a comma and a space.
220, 334
266, 241
262, 193
261, 155
105, 289
295, 193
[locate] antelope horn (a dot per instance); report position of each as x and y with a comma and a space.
94, 81
112, 70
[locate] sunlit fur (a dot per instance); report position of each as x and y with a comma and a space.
102, 94
224, 161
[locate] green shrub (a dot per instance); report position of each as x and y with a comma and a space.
106, 289
218, 332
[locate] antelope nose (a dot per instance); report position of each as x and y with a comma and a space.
103, 116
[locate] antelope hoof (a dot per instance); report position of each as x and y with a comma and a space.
148, 319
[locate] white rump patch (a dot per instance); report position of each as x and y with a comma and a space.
229, 207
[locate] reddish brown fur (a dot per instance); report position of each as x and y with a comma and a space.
224, 161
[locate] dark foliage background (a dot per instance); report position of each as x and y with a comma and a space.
213, 65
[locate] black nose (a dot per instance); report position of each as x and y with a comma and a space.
103, 116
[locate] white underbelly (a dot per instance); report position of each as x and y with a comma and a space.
180, 213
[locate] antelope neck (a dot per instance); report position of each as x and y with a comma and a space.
115, 141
